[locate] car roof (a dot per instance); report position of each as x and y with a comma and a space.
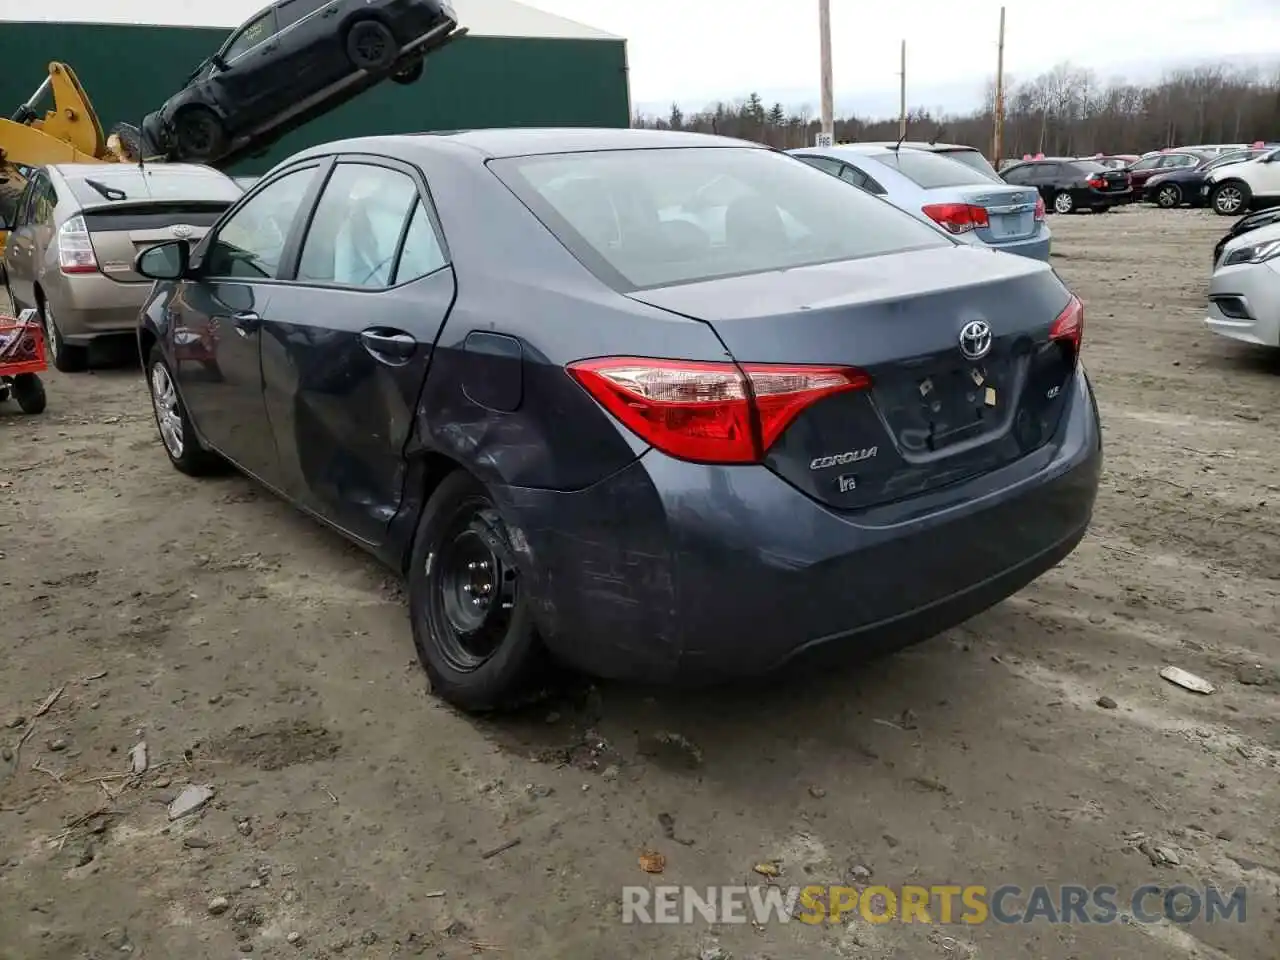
152, 169
532, 141
913, 144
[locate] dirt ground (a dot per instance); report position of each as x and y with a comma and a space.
255, 653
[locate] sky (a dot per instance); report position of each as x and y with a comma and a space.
699, 51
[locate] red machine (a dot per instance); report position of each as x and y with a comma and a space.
22, 361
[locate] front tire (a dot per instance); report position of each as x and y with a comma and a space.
1230, 199
199, 135
1063, 202
471, 624
177, 436
65, 357
1169, 196
371, 46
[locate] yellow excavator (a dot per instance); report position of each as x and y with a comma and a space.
68, 133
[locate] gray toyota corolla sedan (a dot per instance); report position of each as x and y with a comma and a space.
655, 404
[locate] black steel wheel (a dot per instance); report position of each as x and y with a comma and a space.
471, 625
198, 134
371, 46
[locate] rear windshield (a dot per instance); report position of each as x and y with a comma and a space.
129, 184
929, 170
650, 218
972, 159
1085, 166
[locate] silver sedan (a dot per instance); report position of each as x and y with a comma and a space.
1244, 291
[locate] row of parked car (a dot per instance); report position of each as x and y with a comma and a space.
1230, 179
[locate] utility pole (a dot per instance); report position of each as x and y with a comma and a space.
902, 93
997, 116
824, 46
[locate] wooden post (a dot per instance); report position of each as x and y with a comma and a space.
824, 46
997, 133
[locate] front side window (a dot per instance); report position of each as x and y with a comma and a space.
356, 230
1017, 175
252, 34
250, 244
649, 218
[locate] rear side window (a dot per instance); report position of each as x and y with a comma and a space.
422, 253
356, 230
249, 245
825, 164
650, 218
929, 170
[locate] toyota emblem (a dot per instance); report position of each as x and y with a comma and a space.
975, 340
181, 231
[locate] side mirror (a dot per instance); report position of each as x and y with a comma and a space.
218, 62
170, 260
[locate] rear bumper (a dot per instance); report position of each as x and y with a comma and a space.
1108, 198
1256, 289
1036, 247
676, 571
93, 306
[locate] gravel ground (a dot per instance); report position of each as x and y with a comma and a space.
255, 653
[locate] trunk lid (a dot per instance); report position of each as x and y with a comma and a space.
120, 231
1011, 211
934, 414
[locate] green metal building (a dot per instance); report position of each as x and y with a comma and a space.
517, 66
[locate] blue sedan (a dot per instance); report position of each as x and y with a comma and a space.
653, 404
963, 201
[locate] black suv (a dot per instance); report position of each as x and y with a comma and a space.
1070, 185
289, 63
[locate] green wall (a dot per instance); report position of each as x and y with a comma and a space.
129, 71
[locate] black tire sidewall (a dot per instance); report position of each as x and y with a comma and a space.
69, 358
192, 115
371, 27
516, 666
28, 393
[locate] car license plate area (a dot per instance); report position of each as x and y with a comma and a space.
1005, 226
938, 406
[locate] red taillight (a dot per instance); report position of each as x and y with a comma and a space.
1098, 183
710, 412
75, 252
1069, 327
1039, 207
957, 217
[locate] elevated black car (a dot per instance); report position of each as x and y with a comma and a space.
289, 62
661, 405
1069, 186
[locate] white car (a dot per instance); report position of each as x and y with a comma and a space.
1233, 189
1244, 291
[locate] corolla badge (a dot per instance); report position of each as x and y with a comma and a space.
181, 231
975, 340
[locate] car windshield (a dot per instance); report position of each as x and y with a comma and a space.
929, 170
134, 185
650, 218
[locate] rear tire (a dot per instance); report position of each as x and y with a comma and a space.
187, 454
371, 46
65, 357
1231, 198
471, 624
1063, 202
28, 392
132, 142
410, 74
198, 134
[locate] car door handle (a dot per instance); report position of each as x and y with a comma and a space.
386, 344
245, 321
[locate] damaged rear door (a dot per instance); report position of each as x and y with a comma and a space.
347, 344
